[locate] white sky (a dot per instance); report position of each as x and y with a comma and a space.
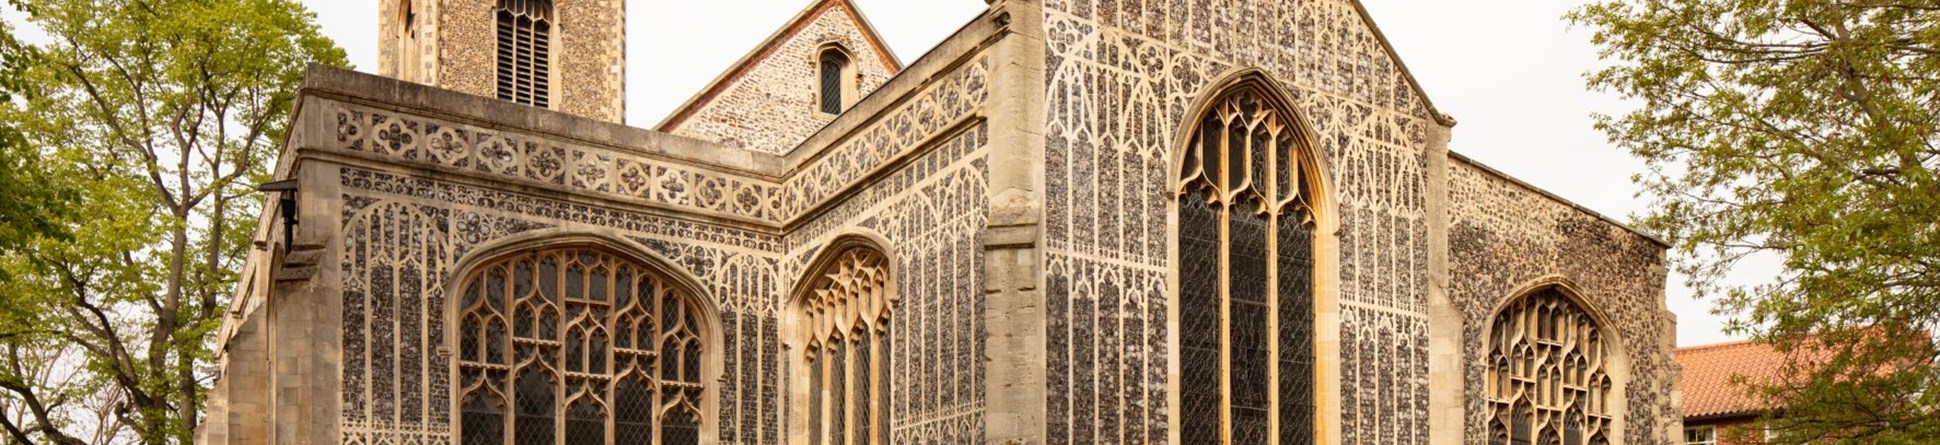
1509, 70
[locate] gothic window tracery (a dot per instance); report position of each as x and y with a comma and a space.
525, 51
845, 317
1246, 267
578, 346
833, 70
1548, 378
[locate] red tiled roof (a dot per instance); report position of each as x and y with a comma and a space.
1718, 377
1709, 370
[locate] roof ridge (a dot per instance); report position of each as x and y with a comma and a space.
1719, 345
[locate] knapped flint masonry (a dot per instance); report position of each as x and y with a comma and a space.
1071, 223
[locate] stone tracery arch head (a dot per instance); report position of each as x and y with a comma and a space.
832, 259
1309, 185
1550, 367
581, 336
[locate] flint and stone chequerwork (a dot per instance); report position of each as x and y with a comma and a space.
1070, 223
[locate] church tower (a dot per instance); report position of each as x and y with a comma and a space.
565, 55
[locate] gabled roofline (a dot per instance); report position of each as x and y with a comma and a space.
1478, 165
1399, 64
773, 42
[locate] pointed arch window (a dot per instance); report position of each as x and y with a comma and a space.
834, 78
578, 346
1245, 275
1548, 374
844, 317
525, 51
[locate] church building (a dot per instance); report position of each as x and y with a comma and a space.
1072, 222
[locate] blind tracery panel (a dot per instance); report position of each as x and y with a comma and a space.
578, 346
525, 51
1246, 267
1548, 382
846, 316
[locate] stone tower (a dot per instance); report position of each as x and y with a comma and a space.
565, 55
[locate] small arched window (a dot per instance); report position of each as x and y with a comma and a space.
1554, 388
578, 346
525, 51
843, 317
834, 76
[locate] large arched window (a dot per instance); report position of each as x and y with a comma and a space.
1548, 378
843, 319
525, 51
1245, 274
578, 346
834, 79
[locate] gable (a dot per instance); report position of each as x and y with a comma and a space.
766, 102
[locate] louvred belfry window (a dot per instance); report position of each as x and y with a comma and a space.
1245, 276
845, 318
578, 346
1548, 381
525, 51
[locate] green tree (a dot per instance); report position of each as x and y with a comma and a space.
32, 202
160, 115
1804, 131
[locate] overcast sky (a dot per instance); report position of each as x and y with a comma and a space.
1509, 70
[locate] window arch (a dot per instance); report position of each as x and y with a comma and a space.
1245, 269
525, 51
1549, 374
579, 344
835, 79
842, 318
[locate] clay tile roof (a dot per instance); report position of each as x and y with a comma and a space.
1708, 376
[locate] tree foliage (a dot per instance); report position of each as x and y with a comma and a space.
1804, 131
159, 116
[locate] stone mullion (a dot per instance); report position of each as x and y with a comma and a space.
1225, 284
562, 265
1272, 296
825, 387
874, 428
611, 322
848, 388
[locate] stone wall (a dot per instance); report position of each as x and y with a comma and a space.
1122, 76
768, 102
1503, 236
417, 193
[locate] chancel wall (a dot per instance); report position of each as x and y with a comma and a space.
1122, 77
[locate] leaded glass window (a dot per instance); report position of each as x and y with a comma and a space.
845, 318
578, 346
525, 51
1246, 276
1548, 380
833, 66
